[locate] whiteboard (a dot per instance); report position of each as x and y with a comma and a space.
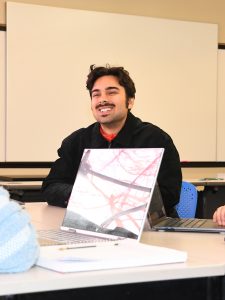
2, 94
49, 51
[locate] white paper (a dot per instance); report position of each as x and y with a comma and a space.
107, 257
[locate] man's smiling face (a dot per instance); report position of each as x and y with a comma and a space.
109, 102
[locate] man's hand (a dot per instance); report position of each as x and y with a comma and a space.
219, 216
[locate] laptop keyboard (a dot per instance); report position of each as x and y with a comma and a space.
186, 223
60, 237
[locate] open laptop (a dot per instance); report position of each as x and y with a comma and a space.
157, 219
110, 197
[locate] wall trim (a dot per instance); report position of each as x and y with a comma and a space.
48, 164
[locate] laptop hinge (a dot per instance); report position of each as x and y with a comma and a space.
68, 229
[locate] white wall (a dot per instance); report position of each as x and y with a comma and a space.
2, 95
221, 107
49, 50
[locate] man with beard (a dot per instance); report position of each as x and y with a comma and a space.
112, 93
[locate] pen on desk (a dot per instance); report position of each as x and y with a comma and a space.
76, 247
87, 246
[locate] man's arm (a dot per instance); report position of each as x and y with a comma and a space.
170, 178
57, 194
57, 186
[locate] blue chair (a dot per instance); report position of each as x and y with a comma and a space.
186, 208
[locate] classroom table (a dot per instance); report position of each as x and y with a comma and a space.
21, 185
210, 196
23, 174
201, 277
207, 182
24, 191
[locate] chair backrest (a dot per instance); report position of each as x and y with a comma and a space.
186, 208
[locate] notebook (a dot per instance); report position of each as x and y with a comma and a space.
157, 219
110, 197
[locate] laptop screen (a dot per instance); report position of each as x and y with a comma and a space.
156, 209
112, 190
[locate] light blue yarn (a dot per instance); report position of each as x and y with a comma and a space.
13, 219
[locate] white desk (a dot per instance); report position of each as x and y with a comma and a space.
21, 185
24, 191
206, 258
207, 182
211, 195
23, 173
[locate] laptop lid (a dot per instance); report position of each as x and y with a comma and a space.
157, 219
112, 191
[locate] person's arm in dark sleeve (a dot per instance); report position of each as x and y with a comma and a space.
57, 186
57, 194
170, 178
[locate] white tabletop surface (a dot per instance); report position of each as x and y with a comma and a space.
207, 181
21, 185
206, 257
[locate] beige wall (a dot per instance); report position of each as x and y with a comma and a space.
209, 11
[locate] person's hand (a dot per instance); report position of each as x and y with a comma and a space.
219, 215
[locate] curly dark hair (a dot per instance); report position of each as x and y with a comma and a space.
119, 72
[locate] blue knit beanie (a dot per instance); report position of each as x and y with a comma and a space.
19, 248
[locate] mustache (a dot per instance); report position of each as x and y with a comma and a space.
103, 104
